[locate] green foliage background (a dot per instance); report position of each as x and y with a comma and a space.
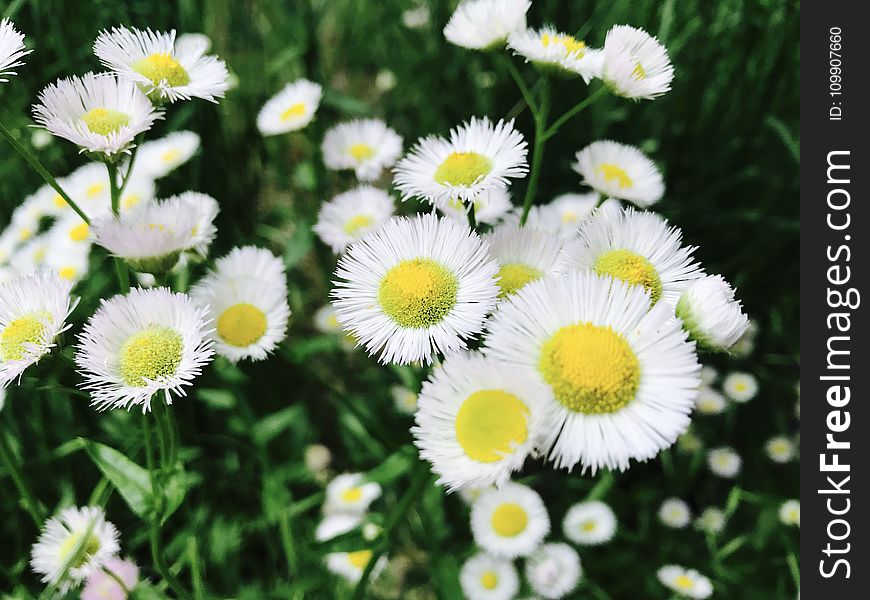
725, 137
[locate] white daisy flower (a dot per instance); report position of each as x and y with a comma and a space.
553, 51
790, 512
158, 158
33, 311
485, 24
675, 513
780, 449
165, 71
325, 320
709, 375
479, 156
249, 313
140, 190
622, 377
620, 171
11, 49
367, 146
524, 255
553, 571
485, 577
510, 521
103, 586
70, 230
712, 520
589, 523
415, 287
352, 215
478, 419
137, 345
565, 213
151, 237
417, 17
69, 260
709, 401
40, 139
685, 582
29, 257
336, 524
740, 387
689, 442
636, 247
405, 400
291, 109
78, 542
99, 113
350, 493
636, 65
711, 315
351, 565
251, 261
724, 462
317, 458
489, 206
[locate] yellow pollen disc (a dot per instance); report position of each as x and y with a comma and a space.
571, 44
631, 268
463, 168
615, 173
67, 273
361, 152
71, 544
360, 558
355, 225
352, 494
59, 202
39, 255
28, 329
639, 72
591, 369
170, 155
509, 519
297, 110
489, 423
241, 325
104, 121
418, 293
80, 232
684, 582
94, 190
588, 526
740, 387
25, 234
160, 67
569, 216
512, 277
131, 200
489, 580
150, 354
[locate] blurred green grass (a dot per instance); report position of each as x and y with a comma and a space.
725, 136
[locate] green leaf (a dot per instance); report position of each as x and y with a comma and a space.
394, 466
270, 426
175, 490
219, 399
131, 480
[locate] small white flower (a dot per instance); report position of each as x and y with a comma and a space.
78, 541
417, 17
290, 109
205, 209
485, 24
685, 582
565, 213
712, 520
33, 311
404, 400
489, 206
620, 171
479, 156
137, 345
636, 65
101, 114
524, 254
247, 261
711, 315
790, 512
675, 513
336, 524
325, 320
103, 586
69, 260
11, 49
709, 401
724, 462
352, 215
553, 570
486, 577
510, 521
551, 50
40, 139
780, 449
350, 493
589, 523
367, 146
163, 69
709, 375
158, 158
351, 565
740, 387
317, 458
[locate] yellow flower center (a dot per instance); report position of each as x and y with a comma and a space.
360, 558
684, 582
489, 423
80, 232
740, 386
71, 544
418, 293
591, 369
94, 190
352, 494
25, 233
297, 110
512, 277
631, 268
170, 155
241, 324
361, 152
639, 72
509, 519
21, 332
104, 121
149, 355
463, 168
131, 200
355, 225
616, 174
59, 202
489, 580
588, 526
569, 216
571, 44
160, 67
67, 273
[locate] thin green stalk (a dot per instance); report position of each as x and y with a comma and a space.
42, 171
115, 192
195, 569
537, 151
30, 504
160, 564
574, 111
117, 579
288, 545
126, 179
472, 222
524, 89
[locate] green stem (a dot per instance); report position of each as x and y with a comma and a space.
115, 192
574, 111
472, 222
524, 89
126, 178
117, 579
160, 564
42, 171
29, 500
286, 531
537, 152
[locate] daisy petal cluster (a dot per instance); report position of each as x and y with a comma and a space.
615, 170
485, 24
636, 64
510, 521
291, 109
352, 215
11, 49
711, 315
366, 146
553, 51
686, 582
